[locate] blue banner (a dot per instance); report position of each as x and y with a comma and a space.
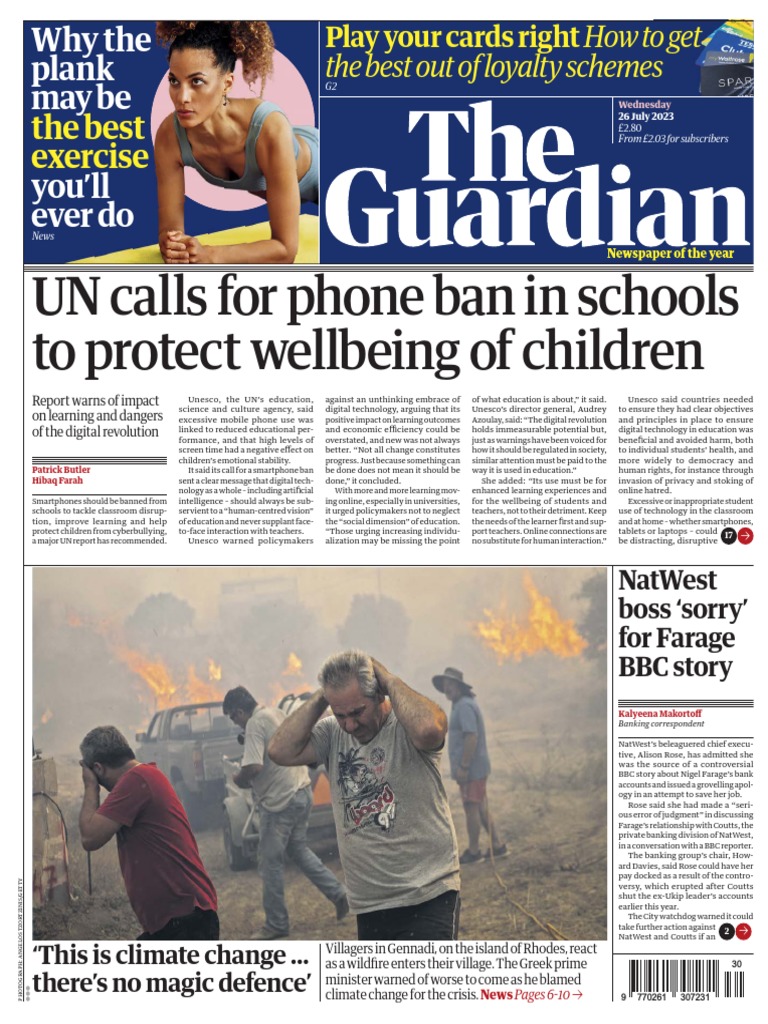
439, 143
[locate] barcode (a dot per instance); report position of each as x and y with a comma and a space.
683, 976
734, 983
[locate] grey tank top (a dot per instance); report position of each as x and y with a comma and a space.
253, 179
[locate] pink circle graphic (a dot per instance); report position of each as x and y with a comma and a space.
285, 87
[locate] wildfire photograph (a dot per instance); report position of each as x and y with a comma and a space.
154, 650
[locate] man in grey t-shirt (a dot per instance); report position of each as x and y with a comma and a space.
396, 837
284, 799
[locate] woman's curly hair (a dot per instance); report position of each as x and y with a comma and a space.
248, 41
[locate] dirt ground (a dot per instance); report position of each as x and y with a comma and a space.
547, 797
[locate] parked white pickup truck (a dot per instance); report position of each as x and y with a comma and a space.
187, 743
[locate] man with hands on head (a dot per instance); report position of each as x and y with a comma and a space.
382, 749
167, 885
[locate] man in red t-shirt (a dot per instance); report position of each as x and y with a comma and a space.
167, 885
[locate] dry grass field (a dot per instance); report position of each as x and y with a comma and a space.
547, 797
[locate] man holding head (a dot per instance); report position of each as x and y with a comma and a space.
396, 838
284, 800
167, 885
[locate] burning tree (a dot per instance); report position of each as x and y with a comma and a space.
543, 629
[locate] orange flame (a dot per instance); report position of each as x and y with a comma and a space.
102, 627
155, 674
166, 690
293, 674
198, 692
544, 630
293, 666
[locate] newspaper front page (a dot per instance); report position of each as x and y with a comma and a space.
456, 360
